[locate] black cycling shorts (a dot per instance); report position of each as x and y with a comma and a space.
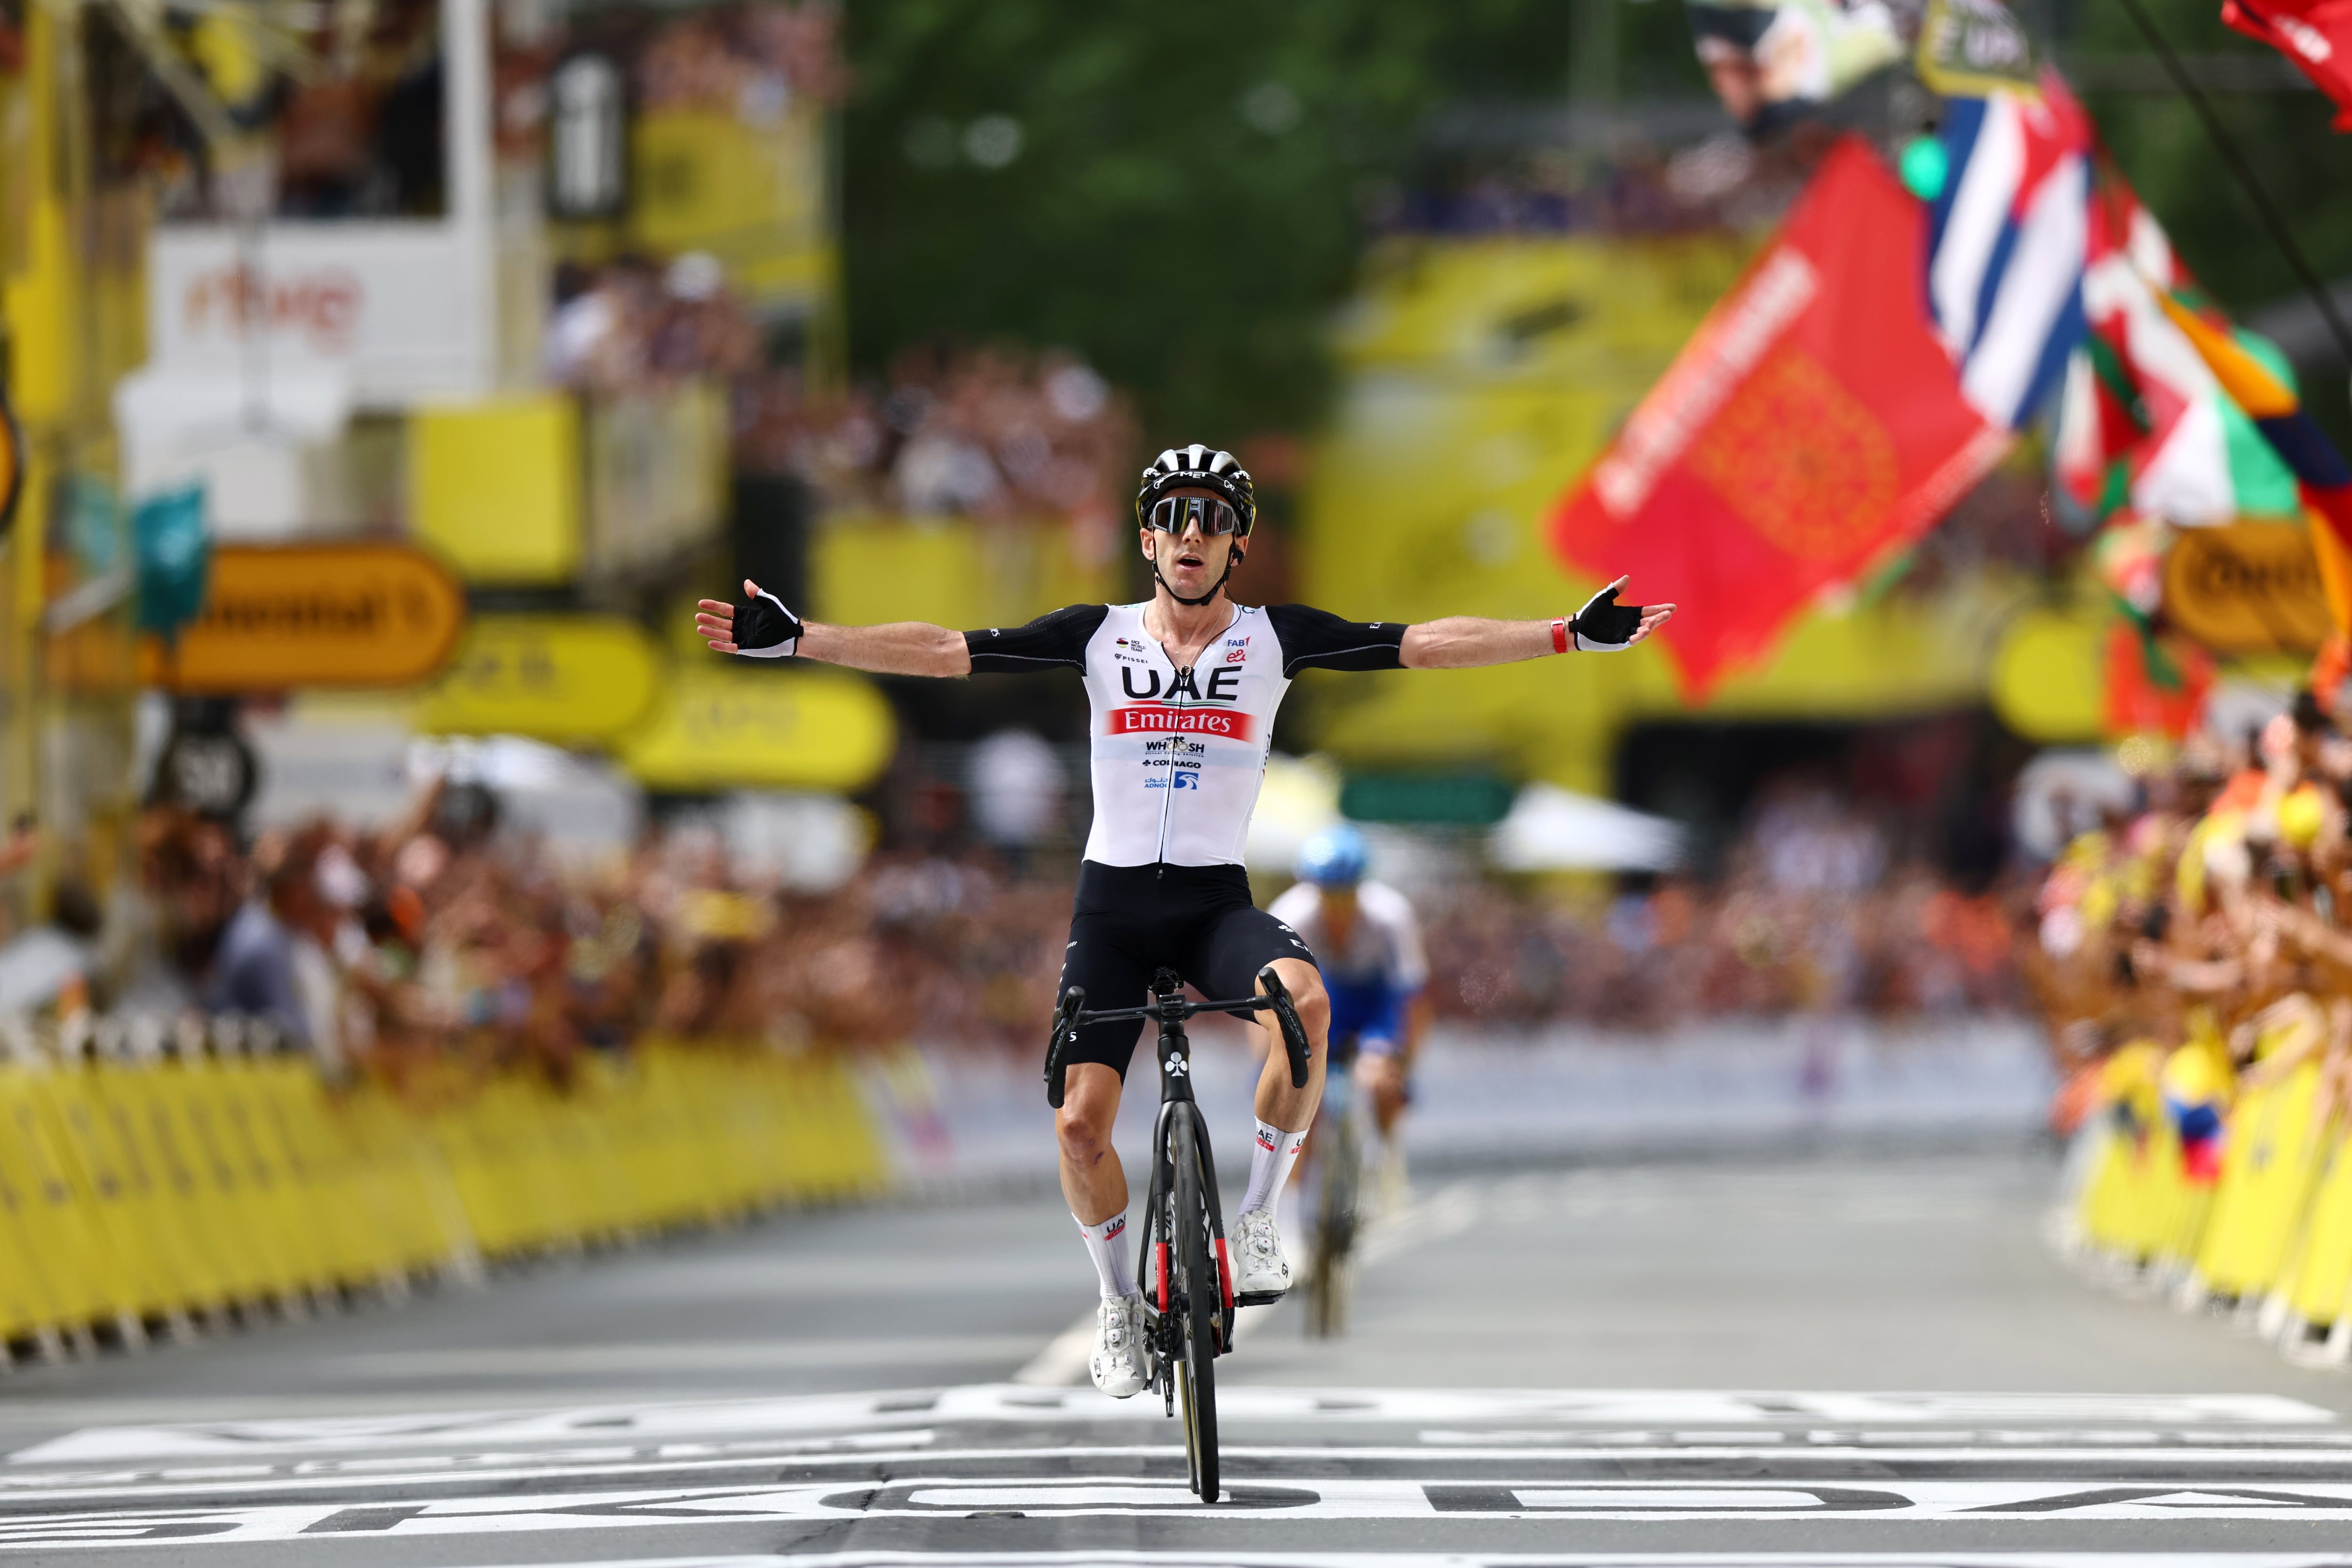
1132, 920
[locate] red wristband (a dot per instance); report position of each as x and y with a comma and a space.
1560, 636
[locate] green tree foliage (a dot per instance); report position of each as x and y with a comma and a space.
1177, 192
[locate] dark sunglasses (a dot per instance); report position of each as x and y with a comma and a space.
1213, 515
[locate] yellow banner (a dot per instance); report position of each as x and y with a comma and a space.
345, 614
558, 678
722, 728
2251, 587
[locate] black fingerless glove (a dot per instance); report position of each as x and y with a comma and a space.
1603, 625
765, 629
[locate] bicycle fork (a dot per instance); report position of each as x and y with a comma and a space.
1155, 1266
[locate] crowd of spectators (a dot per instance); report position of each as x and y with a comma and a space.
1631, 187
2194, 942
1807, 913
993, 434
396, 952
988, 433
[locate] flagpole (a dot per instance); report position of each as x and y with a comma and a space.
2244, 172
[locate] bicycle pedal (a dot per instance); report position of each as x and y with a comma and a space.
1259, 1298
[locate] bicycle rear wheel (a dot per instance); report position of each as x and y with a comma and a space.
1198, 1288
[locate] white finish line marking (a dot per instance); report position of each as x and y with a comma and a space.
1320, 1499
1670, 1410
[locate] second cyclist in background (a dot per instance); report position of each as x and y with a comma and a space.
1367, 942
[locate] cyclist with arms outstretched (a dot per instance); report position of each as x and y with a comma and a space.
1183, 689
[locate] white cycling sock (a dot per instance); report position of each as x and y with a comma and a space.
1270, 1162
1106, 1244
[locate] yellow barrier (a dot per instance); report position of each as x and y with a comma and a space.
2273, 1233
131, 1194
2314, 1287
2267, 1169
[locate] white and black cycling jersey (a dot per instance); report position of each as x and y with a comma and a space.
1178, 754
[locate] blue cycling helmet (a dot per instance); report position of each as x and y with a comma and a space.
1334, 858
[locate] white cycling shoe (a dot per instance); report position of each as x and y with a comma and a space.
1264, 1273
1121, 1362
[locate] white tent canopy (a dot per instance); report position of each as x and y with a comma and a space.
1551, 829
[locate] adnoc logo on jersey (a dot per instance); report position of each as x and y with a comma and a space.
1157, 720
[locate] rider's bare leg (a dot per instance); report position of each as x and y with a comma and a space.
1093, 1181
1284, 1113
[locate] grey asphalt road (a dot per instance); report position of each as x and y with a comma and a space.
1833, 1358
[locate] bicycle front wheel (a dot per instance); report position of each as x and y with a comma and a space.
1202, 1297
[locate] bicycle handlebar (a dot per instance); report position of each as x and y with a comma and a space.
1170, 1008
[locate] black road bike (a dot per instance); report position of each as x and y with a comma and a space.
1187, 1299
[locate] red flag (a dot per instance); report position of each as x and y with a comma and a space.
2316, 35
1811, 425
2154, 688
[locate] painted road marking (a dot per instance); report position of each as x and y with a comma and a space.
703, 1355
1195, 1559
1065, 1360
1518, 1410
1319, 1498
392, 1478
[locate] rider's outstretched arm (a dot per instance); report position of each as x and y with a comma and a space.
1460, 642
758, 626
761, 627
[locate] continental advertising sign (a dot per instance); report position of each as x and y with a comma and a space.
717, 728
2251, 587
274, 617
554, 677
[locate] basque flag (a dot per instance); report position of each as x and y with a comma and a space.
2006, 245
1810, 428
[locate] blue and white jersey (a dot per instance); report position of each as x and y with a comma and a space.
1384, 946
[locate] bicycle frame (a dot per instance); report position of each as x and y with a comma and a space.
1168, 1009
1174, 1049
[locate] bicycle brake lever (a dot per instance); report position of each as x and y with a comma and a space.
1294, 1033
